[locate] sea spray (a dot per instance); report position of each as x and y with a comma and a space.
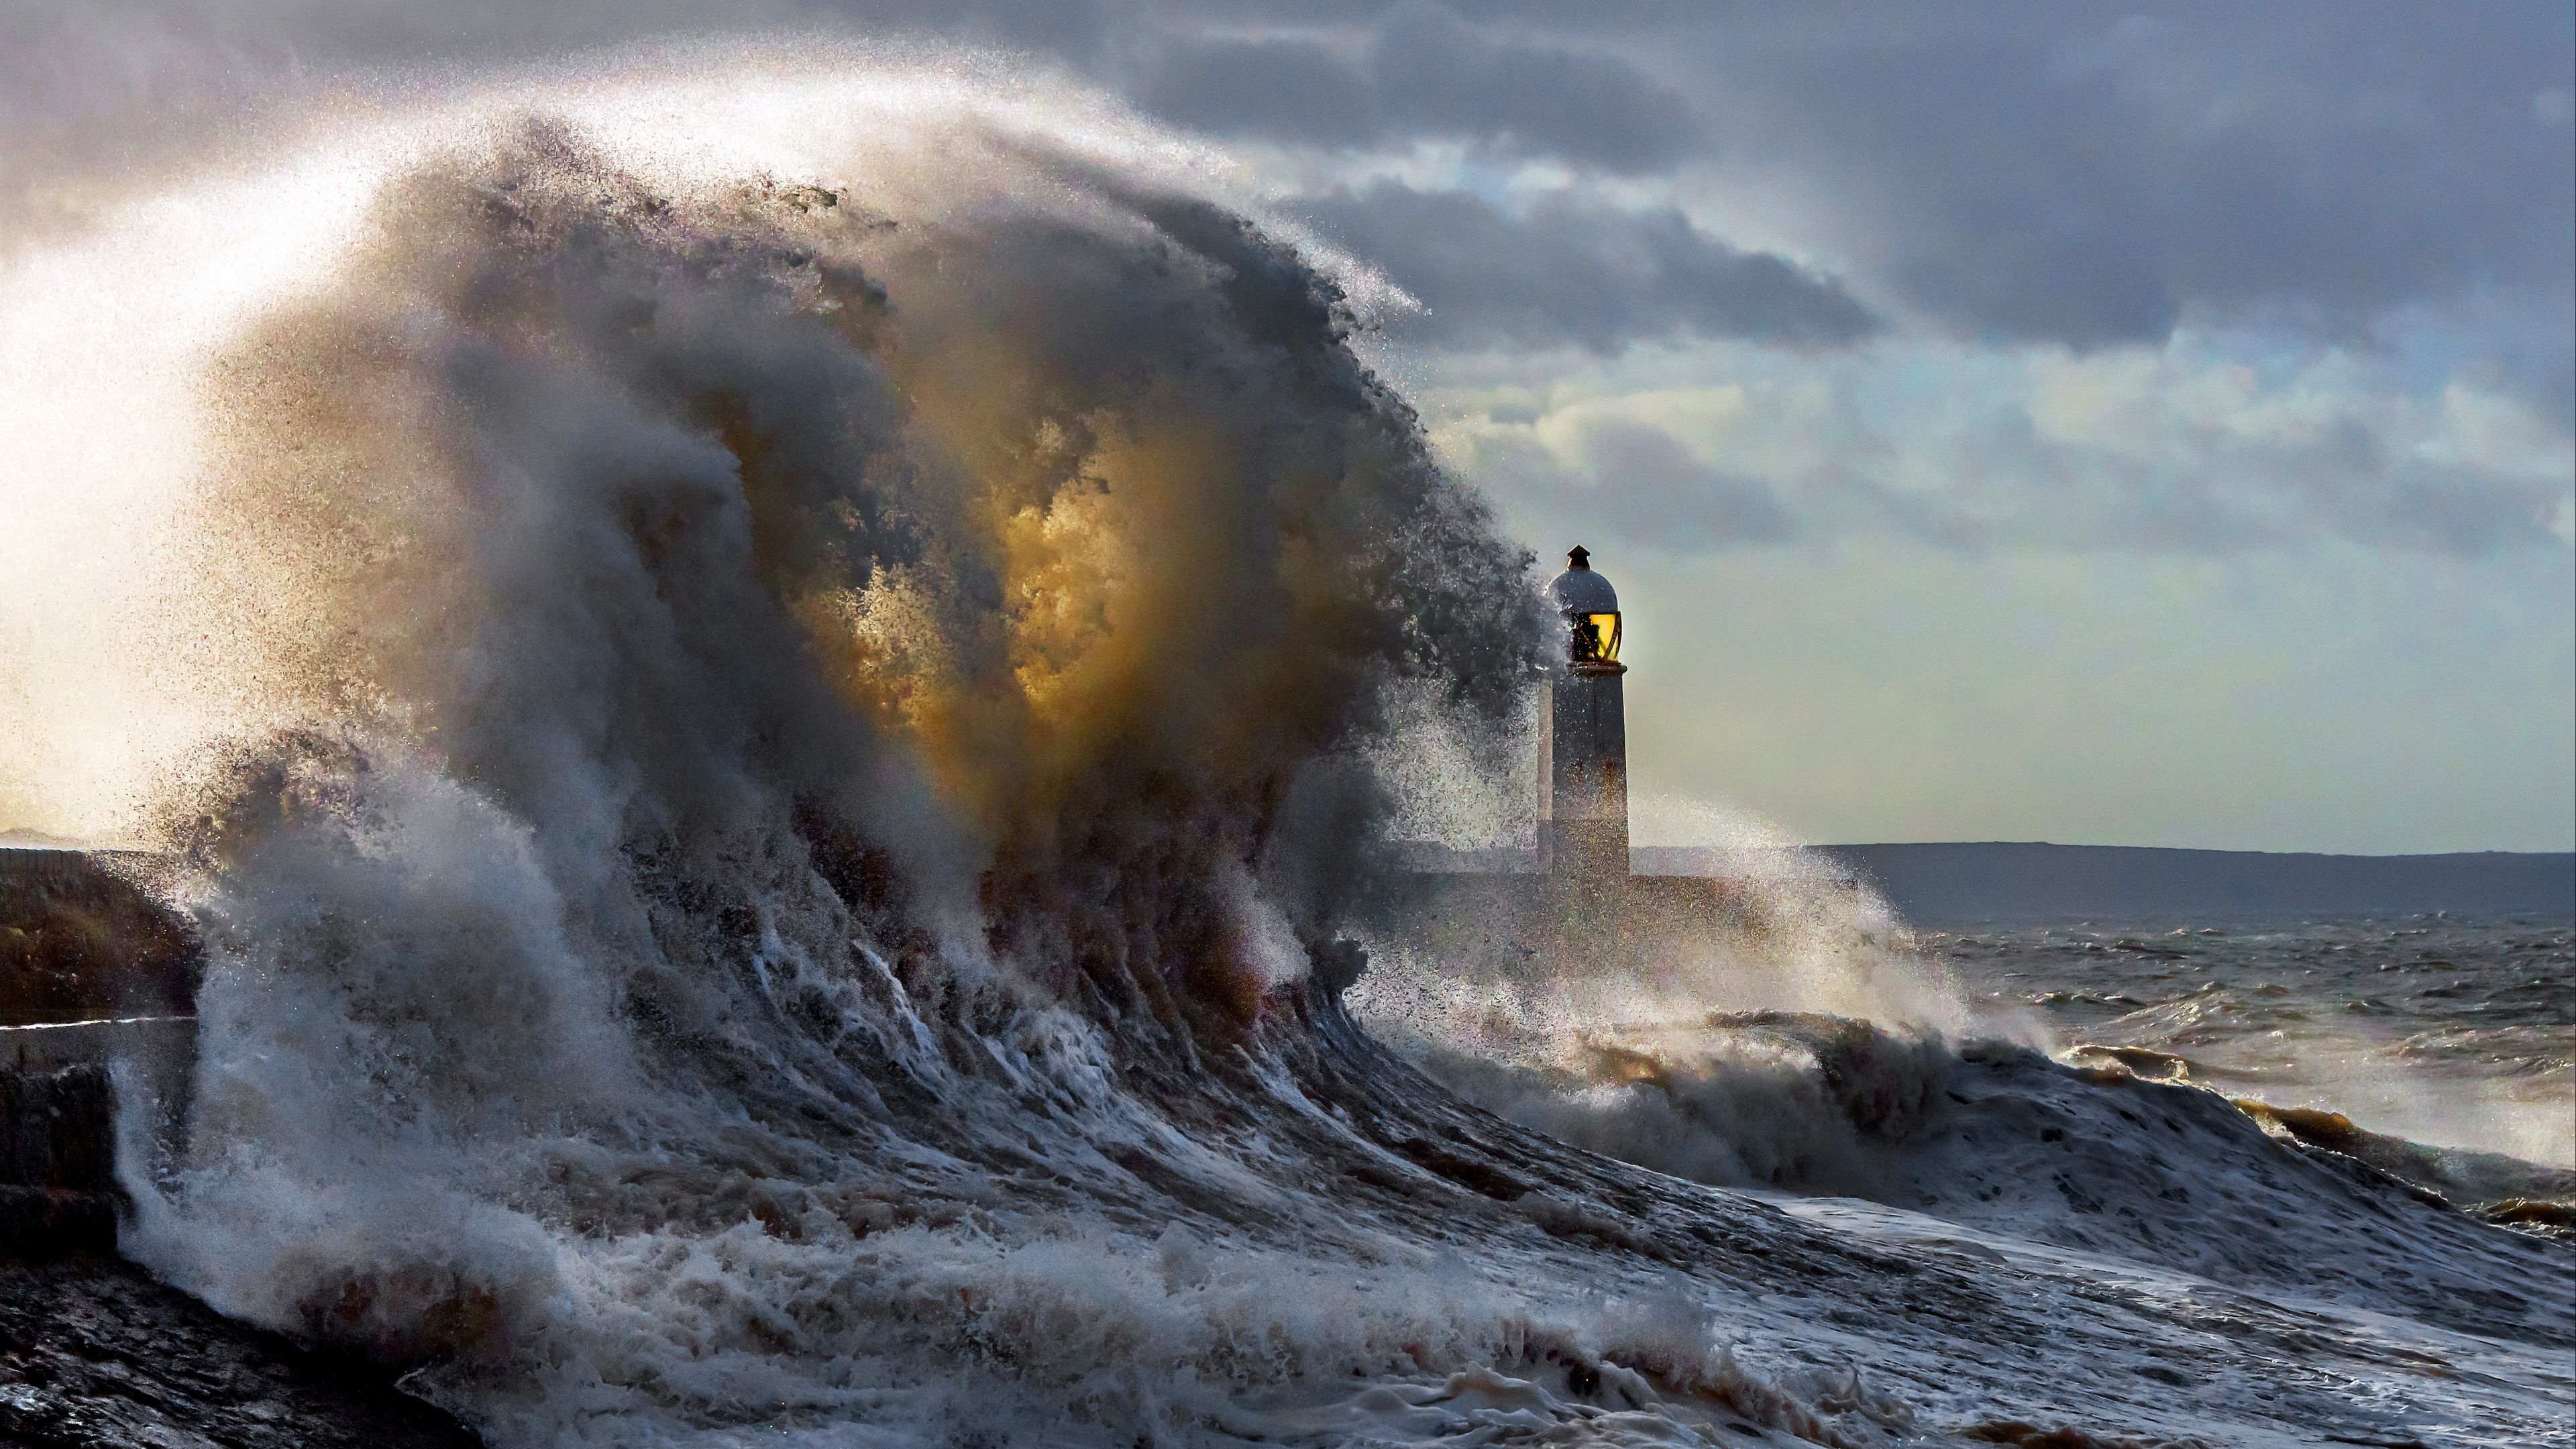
735, 669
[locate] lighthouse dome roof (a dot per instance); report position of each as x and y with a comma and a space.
1581, 590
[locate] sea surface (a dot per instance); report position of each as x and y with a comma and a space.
2453, 1031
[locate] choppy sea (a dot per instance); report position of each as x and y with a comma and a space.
2450, 1031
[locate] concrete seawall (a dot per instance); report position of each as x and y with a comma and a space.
81, 939
58, 1193
97, 987
61, 1088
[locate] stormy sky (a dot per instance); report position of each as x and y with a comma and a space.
2139, 425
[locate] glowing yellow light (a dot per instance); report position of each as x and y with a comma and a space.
1601, 635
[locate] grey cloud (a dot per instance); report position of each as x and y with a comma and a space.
1651, 491
1596, 277
2090, 173
2007, 487
1288, 88
86, 91
100, 95
2094, 175
1636, 486
2082, 173
2528, 353
2348, 481
1423, 71
366, 32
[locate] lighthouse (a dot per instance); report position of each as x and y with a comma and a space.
1581, 909
1583, 733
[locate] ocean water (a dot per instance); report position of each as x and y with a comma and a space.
768, 679
2456, 1032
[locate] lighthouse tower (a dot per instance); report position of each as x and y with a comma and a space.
1583, 733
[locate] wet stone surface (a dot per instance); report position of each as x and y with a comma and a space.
95, 1353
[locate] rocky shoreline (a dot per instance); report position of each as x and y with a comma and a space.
95, 1354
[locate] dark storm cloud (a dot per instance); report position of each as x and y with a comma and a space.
1422, 71
2074, 172
1596, 277
2081, 173
2091, 175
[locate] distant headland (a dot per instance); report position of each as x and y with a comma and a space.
1949, 883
